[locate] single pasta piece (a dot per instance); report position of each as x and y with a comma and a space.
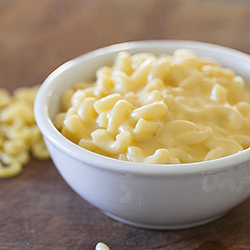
120, 112
219, 94
123, 63
65, 101
101, 246
151, 111
74, 128
135, 154
11, 170
106, 103
39, 150
162, 156
147, 128
105, 141
86, 110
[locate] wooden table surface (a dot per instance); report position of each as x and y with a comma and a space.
37, 209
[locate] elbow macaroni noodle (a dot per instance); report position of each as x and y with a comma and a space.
19, 134
170, 109
101, 246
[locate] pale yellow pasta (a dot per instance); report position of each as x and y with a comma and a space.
22, 157
101, 246
170, 109
160, 69
152, 111
147, 128
123, 63
65, 101
19, 134
18, 111
58, 122
13, 169
120, 112
161, 156
74, 128
219, 94
106, 103
14, 146
105, 141
86, 110
135, 154
26, 94
5, 98
102, 119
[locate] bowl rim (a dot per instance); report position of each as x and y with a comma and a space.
50, 133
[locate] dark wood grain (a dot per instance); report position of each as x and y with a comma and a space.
37, 209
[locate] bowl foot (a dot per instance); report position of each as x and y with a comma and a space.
166, 226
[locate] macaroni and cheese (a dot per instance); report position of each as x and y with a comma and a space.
170, 109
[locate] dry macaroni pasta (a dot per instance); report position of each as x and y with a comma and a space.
19, 134
178, 108
101, 246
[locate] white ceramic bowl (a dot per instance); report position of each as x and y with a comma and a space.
148, 196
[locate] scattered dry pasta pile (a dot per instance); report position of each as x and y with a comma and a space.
178, 108
19, 134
